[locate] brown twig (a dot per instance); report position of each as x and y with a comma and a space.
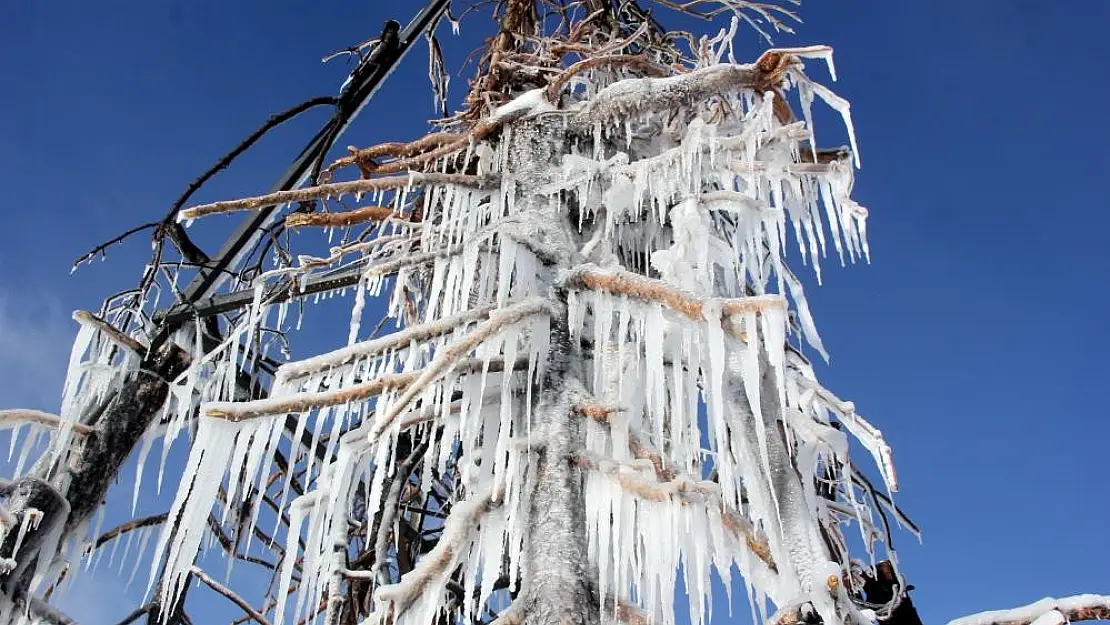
106, 329
134, 524
338, 189
242, 411
25, 415
620, 282
236, 599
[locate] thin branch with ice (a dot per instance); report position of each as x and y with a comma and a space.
620, 282
338, 189
16, 416
446, 359
106, 329
227, 592
304, 402
465, 516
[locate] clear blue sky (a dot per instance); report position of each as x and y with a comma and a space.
975, 340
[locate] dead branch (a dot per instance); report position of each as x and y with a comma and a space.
225, 591
134, 524
338, 189
304, 402
106, 329
25, 415
446, 359
344, 218
620, 282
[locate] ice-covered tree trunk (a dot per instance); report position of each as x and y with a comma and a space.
556, 562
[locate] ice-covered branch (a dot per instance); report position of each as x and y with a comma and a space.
352, 353
344, 218
449, 356
108, 330
227, 592
24, 415
620, 282
867, 434
684, 489
637, 62
242, 411
630, 96
465, 516
338, 189
1047, 611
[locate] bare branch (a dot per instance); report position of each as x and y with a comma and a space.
236, 599
135, 524
342, 219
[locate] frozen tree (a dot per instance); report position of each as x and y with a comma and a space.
589, 376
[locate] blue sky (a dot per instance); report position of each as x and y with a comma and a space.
975, 340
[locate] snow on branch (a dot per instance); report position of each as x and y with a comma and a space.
626, 97
338, 189
16, 416
1047, 611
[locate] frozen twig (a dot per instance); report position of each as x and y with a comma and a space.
304, 402
620, 282
236, 599
868, 435
109, 331
449, 356
684, 489
337, 189
1047, 611
465, 516
353, 353
24, 415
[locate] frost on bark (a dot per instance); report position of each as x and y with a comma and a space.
589, 373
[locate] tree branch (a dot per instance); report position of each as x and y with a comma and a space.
1048, 611
236, 599
337, 189
26, 415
